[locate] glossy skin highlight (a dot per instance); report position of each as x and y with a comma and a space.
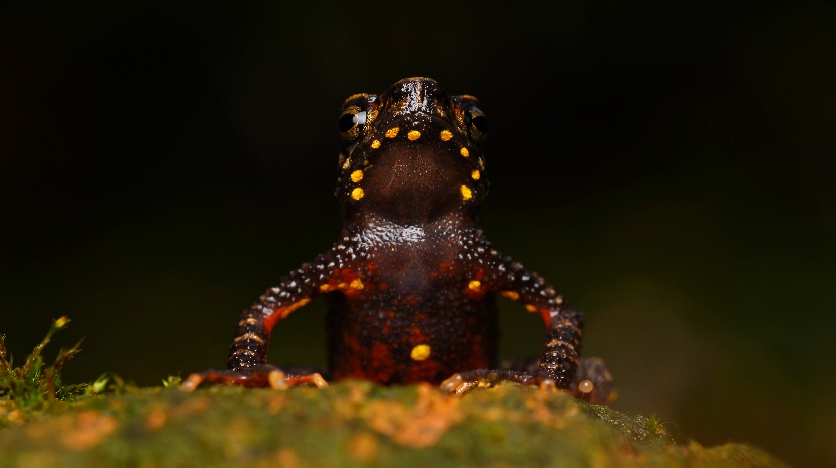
412, 280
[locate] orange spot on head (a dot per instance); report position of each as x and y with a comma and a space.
466, 193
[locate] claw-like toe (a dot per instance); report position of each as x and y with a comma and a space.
257, 376
191, 383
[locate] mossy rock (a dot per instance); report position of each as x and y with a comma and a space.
351, 424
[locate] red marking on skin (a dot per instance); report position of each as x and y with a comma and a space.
352, 294
417, 336
546, 314
358, 366
273, 318
355, 366
380, 355
480, 274
423, 371
476, 295
479, 359
383, 286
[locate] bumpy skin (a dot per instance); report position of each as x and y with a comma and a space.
412, 282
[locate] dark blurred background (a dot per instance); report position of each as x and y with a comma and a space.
668, 166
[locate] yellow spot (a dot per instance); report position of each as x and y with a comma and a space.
347, 163
510, 295
531, 308
357, 175
465, 152
474, 285
357, 193
475, 175
420, 352
356, 284
325, 287
376, 144
466, 193
392, 132
446, 135
414, 135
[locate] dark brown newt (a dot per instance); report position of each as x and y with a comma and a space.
412, 280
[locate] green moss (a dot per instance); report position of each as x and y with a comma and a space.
354, 423
34, 387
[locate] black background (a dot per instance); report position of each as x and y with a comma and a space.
668, 166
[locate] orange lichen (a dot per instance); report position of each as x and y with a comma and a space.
421, 425
156, 419
363, 446
88, 429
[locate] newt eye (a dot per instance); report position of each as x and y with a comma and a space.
351, 124
477, 124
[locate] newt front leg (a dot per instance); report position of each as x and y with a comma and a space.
560, 359
247, 364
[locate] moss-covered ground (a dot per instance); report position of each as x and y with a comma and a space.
45, 424
349, 424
